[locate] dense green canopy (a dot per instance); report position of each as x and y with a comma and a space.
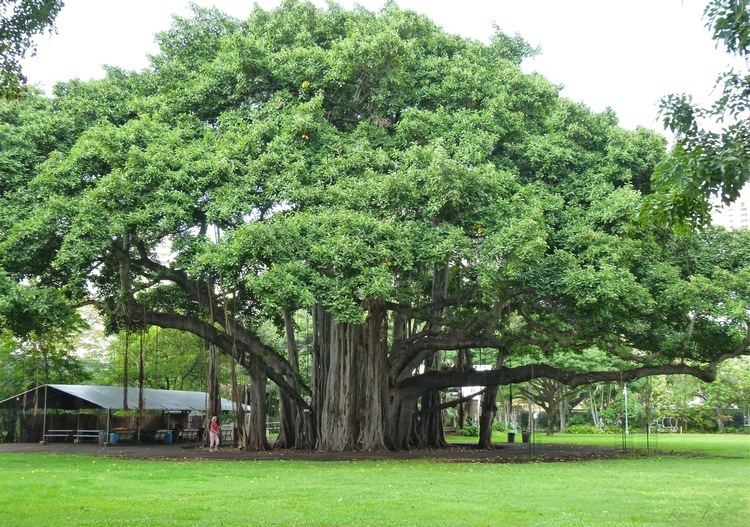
415, 190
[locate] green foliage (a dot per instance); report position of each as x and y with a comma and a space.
20, 21
310, 156
583, 429
173, 360
704, 162
39, 310
470, 429
699, 406
614, 413
730, 23
31, 362
499, 426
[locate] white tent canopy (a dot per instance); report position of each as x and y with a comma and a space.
79, 396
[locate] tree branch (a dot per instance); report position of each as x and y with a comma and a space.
438, 380
206, 300
222, 341
454, 402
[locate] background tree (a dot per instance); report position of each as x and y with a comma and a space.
33, 361
37, 330
26, 364
731, 391
557, 399
711, 155
20, 21
173, 360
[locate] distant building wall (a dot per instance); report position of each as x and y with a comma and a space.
736, 215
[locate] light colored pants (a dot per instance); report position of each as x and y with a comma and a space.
214, 439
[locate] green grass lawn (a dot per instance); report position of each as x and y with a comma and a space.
717, 445
55, 490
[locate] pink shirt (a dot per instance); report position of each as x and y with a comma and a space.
215, 427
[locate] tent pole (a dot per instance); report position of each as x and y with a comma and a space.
44, 419
106, 439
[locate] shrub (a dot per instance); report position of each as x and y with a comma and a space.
583, 429
580, 419
499, 426
471, 429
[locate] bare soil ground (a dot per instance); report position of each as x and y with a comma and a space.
501, 453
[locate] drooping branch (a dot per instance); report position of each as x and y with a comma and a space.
223, 341
428, 311
427, 342
438, 380
158, 270
548, 395
206, 300
454, 402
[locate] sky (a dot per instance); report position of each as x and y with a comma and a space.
605, 53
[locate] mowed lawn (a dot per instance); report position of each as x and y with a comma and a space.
56, 490
721, 445
726, 445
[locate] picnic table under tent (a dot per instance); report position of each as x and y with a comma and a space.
74, 397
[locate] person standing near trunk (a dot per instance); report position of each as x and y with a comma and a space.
214, 429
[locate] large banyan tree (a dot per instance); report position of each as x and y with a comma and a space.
413, 191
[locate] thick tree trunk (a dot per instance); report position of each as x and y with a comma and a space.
487, 417
402, 433
373, 381
488, 407
400, 327
287, 420
350, 383
400, 412
256, 439
333, 383
306, 431
430, 430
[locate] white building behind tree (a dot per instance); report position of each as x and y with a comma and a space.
736, 215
